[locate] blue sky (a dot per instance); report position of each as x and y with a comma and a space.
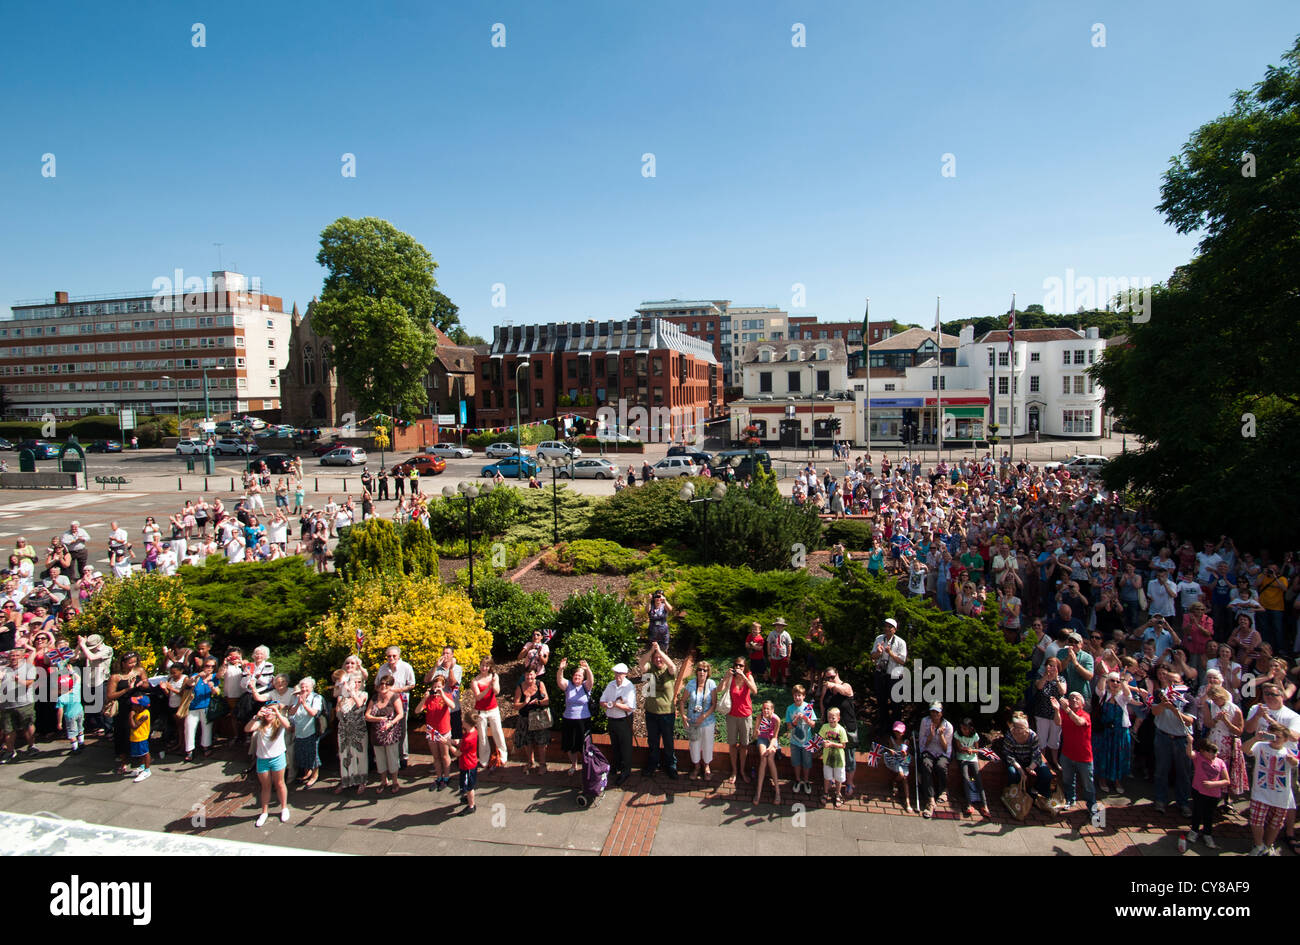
522, 165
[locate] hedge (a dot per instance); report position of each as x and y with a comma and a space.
511, 614
649, 514
592, 556
853, 534
592, 446
537, 434
604, 615
150, 430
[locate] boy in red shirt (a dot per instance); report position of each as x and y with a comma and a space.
466, 749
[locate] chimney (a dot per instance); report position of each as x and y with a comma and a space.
966, 336
60, 298
1093, 333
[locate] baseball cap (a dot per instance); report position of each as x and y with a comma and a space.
620, 668
936, 706
892, 622
900, 728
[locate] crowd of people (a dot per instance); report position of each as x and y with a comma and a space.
1150, 659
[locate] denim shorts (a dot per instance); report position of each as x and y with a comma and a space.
265, 765
800, 756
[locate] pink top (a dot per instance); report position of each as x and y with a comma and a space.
1203, 771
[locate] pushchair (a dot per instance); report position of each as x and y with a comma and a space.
595, 773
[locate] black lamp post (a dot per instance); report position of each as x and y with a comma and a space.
470, 491
555, 464
716, 494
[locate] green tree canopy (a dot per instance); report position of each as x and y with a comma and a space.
378, 307
1209, 383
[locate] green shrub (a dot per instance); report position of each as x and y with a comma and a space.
144, 613
511, 614
852, 534
649, 514
534, 521
419, 557
369, 549
759, 528
258, 602
592, 556
584, 646
604, 615
593, 446
490, 515
715, 605
537, 434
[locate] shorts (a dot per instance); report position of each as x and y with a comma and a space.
139, 749
17, 719
265, 765
1267, 816
468, 780
1049, 733
763, 742
781, 667
740, 731
833, 774
800, 756
758, 665
434, 736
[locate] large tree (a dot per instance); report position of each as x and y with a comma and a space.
1210, 383
378, 307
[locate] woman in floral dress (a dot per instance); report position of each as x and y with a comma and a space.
354, 737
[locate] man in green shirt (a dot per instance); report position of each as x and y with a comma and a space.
659, 712
973, 560
1078, 666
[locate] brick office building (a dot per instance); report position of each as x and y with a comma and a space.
580, 367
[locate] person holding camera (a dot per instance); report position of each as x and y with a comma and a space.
890, 654
1272, 588
267, 729
1160, 632
741, 690
306, 709
436, 706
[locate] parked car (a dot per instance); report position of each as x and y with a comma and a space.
1089, 463
255, 423
743, 468
227, 427
104, 446
191, 446
509, 468
427, 465
277, 463
344, 456
5, 444
675, 466
449, 451
593, 468
502, 450
700, 457
43, 449
554, 448
320, 449
230, 445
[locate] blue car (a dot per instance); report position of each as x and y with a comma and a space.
509, 468
43, 449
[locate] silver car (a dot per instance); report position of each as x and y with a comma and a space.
503, 450
344, 456
593, 468
449, 451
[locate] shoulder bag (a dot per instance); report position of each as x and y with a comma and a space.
539, 719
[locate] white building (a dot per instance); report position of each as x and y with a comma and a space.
754, 323
794, 392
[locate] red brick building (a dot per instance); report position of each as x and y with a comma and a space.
618, 364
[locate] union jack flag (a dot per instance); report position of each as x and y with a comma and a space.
1273, 776
988, 754
1176, 696
873, 756
1140, 696
546, 635
62, 654
361, 638
815, 744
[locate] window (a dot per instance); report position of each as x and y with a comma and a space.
537, 370
270, 342
1033, 383
1002, 416
823, 380
1092, 356
792, 354
1092, 386
990, 357
1065, 385
1078, 356
938, 383
1076, 421
270, 362
821, 354
657, 367
1003, 360
765, 382
1004, 386
1078, 383
890, 386
1035, 357
765, 356
1065, 357
792, 381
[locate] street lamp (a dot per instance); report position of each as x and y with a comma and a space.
207, 407
716, 494
555, 463
519, 425
470, 491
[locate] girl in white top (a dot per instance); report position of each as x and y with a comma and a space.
268, 728
277, 530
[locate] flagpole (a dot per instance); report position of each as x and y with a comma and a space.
938, 382
1011, 348
866, 357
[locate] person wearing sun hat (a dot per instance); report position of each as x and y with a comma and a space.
619, 702
890, 654
934, 741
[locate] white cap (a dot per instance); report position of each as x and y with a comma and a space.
620, 668
892, 622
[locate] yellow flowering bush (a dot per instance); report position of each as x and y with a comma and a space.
141, 613
419, 614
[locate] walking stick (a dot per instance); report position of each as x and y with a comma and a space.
916, 774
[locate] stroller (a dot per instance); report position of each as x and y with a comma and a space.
595, 774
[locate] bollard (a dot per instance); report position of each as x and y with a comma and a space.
316, 479
232, 483
179, 488
205, 484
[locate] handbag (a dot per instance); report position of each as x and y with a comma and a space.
539, 720
1142, 599
1017, 801
724, 703
217, 708
322, 717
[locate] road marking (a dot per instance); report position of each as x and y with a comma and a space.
67, 501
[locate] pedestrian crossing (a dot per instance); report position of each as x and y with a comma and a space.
74, 500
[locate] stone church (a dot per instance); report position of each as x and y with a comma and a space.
310, 394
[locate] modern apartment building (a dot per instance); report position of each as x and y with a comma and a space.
73, 356
707, 320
